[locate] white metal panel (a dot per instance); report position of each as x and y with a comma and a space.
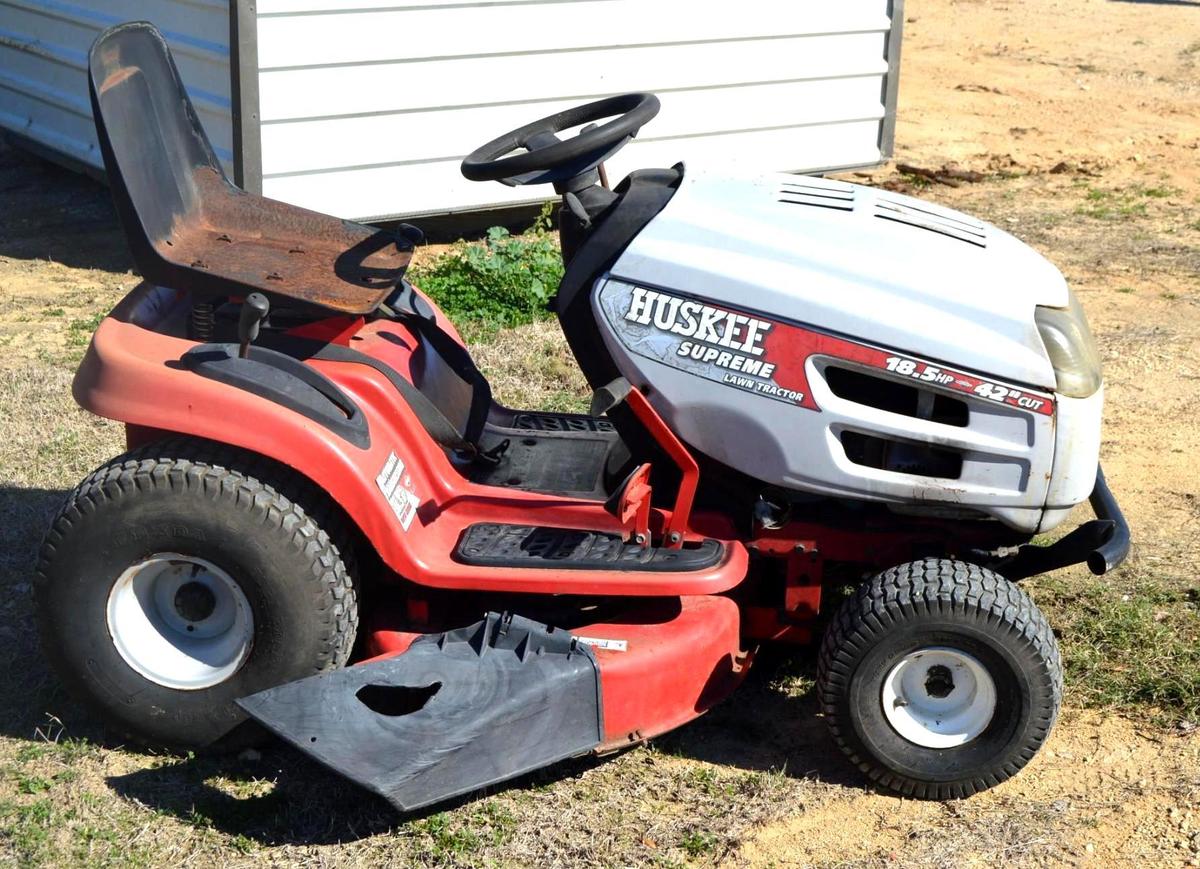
409, 86
367, 108
341, 36
43, 67
373, 140
427, 187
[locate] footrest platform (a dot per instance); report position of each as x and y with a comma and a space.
495, 545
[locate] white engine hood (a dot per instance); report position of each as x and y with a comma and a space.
849, 259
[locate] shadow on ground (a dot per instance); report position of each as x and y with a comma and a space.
32, 704
54, 214
761, 729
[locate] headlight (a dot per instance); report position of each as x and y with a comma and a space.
1071, 348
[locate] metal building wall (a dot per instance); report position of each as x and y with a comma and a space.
367, 107
43, 68
363, 108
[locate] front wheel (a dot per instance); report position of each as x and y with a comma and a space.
939, 679
181, 577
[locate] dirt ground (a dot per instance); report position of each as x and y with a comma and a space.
1082, 120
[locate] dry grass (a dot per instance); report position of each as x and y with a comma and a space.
531, 366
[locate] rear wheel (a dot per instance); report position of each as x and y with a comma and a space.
939, 679
181, 577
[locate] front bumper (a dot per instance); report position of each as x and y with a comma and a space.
1101, 543
1115, 546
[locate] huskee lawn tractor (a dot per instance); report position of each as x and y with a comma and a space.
799, 384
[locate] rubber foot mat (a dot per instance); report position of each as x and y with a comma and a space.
495, 545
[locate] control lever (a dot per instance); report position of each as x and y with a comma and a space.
254, 310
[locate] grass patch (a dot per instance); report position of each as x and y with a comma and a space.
79, 332
1132, 643
918, 182
505, 280
1121, 203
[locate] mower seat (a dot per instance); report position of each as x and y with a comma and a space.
189, 227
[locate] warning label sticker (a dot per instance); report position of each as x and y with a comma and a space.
397, 489
609, 645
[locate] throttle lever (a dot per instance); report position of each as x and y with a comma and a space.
255, 308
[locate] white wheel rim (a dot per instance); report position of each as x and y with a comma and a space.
939, 697
180, 621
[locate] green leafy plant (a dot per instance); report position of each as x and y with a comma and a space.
504, 280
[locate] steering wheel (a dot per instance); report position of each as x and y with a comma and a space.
549, 158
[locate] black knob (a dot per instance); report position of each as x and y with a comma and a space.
254, 311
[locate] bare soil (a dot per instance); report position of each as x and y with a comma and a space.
1082, 120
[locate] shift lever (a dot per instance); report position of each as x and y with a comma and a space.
254, 311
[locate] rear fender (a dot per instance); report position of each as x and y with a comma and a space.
134, 375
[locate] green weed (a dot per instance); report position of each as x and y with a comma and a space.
79, 332
26, 827
449, 840
505, 280
697, 843
919, 182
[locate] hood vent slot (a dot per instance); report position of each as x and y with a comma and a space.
817, 192
935, 220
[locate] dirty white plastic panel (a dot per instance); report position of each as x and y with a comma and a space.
938, 286
43, 68
366, 111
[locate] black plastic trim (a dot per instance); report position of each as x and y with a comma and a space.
1115, 548
285, 381
456, 712
642, 196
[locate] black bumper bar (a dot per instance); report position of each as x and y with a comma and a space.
1102, 543
1115, 547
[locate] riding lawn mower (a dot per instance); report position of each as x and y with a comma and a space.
325, 528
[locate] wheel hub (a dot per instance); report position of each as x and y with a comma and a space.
939, 681
180, 621
195, 602
939, 697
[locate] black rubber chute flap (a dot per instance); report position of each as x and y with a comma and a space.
456, 712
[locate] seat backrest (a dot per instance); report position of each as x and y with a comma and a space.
188, 227
150, 136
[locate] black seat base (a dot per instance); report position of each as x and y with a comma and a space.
495, 545
553, 453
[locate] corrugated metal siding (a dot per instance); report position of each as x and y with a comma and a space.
43, 67
367, 108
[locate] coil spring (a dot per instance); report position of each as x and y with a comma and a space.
202, 321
